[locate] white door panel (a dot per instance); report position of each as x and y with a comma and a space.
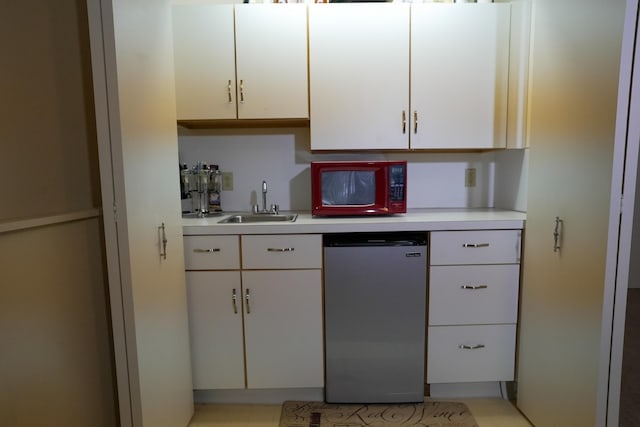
572, 113
133, 42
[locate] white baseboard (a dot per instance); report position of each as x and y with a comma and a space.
467, 390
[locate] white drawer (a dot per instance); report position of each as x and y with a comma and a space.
473, 294
475, 247
471, 353
281, 251
211, 252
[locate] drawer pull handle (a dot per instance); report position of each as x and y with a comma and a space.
281, 249
234, 301
470, 347
206, 251
246, 298
473, 287
475, 245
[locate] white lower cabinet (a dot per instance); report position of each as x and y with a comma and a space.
255, 328
473, 305
283, 328
215, 327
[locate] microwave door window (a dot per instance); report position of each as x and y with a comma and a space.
348, 188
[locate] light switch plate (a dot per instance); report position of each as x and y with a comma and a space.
227, 181
470, 177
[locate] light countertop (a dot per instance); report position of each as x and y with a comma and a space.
413, 220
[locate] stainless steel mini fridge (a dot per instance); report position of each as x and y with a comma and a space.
375, 305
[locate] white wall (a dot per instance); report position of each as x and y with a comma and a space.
56, 364
512, 170
281, 157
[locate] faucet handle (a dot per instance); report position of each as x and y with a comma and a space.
275, 209
255, 208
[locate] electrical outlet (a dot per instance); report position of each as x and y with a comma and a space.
470, 177
227, 181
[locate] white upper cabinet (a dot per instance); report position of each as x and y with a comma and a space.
359, 75
245, 61
399, 76
459, 75
204, 61
271, 56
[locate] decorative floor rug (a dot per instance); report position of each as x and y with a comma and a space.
427, 414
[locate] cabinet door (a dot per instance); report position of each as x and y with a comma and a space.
215, 325
271, 49
562, 355
459, 75
204, 61
359, 76
283, 328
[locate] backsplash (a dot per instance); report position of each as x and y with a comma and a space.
281, 156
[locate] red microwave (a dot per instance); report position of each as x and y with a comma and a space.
358, 188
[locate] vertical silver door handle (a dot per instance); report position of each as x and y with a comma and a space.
404, 121
415, 122
234, 301
557, 234
242, 91
229, 92
163, 241
246, 299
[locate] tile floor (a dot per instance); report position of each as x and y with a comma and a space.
487, 412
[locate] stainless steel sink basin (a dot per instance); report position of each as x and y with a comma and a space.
199, 215
248, 218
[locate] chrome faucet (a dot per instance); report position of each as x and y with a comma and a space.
274, 208
264, 196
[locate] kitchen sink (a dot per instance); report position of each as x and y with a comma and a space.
200, 215
248, 218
